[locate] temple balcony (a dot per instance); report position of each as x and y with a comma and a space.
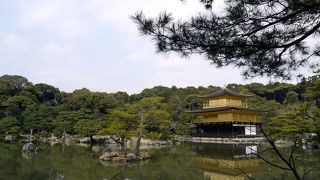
213, 103
221, 118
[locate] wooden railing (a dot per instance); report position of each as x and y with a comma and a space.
230, 117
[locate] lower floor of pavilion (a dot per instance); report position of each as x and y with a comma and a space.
226, 130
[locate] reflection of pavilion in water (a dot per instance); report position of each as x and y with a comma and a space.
222, 161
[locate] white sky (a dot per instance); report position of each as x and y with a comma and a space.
72, 44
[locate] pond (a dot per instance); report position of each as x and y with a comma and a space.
186, 161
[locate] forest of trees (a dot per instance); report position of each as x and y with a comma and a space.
159, 112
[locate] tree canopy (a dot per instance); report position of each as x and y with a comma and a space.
263, 37
45, 109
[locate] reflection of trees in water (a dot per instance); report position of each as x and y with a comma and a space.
15, 165
27, 155
167, 163
75, 162
306, 164
59, 176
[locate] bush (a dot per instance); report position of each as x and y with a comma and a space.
44, 134
153, 135
165, 136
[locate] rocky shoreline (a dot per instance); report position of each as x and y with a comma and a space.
112, 154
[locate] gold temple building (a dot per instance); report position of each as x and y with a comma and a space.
225, 113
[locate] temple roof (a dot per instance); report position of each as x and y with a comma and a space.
223, 109
225, 91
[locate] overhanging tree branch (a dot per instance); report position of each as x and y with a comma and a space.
255, 35
289, 162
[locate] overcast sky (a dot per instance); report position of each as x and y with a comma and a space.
72, 44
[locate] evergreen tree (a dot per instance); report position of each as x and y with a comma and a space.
263, 37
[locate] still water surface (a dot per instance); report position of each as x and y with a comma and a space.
187, 161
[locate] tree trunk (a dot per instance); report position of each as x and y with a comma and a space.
64, 133
30, 136
137, 152
122, 143
318, 138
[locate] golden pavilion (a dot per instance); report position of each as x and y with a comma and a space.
225, 113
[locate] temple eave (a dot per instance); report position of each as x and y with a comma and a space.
225, 122
222, 109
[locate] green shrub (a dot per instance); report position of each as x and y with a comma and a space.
44, 134
153, 135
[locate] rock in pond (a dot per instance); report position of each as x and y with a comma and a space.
27, 147
284, 143
9, 138
169, 142
107, 156
131, 157
119, 159
44, 139
85, 140
96, 149
69, 141
144, 155
313, 146
53, 139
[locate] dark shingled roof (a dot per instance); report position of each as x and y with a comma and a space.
224, 92
223, 109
